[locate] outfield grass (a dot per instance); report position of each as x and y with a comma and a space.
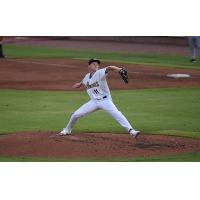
156, 111
177, 61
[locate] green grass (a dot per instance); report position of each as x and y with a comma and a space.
188, 157
156, 111
177, 61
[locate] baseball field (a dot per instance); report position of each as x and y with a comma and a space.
37, 99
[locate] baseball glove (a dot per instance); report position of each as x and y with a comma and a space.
124, 75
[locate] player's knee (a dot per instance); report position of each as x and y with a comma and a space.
76, 115
119, 113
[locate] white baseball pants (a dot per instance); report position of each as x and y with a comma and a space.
94, 105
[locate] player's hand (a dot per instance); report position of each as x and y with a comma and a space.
77, 85
119, 69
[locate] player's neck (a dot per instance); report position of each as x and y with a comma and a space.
92, 73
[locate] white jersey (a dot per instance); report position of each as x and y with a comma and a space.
97, 87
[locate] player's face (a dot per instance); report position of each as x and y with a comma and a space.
93, 66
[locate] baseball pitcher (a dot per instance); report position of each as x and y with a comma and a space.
100, 97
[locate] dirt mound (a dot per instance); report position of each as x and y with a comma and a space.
60, 74
93, 145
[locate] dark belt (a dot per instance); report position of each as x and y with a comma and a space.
102, 98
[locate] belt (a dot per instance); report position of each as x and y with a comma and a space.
102, 98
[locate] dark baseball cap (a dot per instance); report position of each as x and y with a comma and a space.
94, 60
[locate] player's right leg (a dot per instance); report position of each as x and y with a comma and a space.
82, 111
192, 47
197, 41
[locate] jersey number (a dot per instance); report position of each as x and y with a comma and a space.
96, 91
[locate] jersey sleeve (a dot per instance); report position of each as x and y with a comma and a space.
103, 73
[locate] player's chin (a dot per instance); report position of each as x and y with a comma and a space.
94, 69
90, 68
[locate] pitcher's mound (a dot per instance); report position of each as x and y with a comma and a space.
93, 145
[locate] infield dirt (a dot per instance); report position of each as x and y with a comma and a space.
61, 74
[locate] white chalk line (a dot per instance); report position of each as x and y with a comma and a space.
39, 63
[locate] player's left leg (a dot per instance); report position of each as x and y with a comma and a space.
110, 108
85, 109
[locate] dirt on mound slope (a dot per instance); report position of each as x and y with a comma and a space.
93, 145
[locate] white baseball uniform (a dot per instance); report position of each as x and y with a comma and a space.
98, 90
